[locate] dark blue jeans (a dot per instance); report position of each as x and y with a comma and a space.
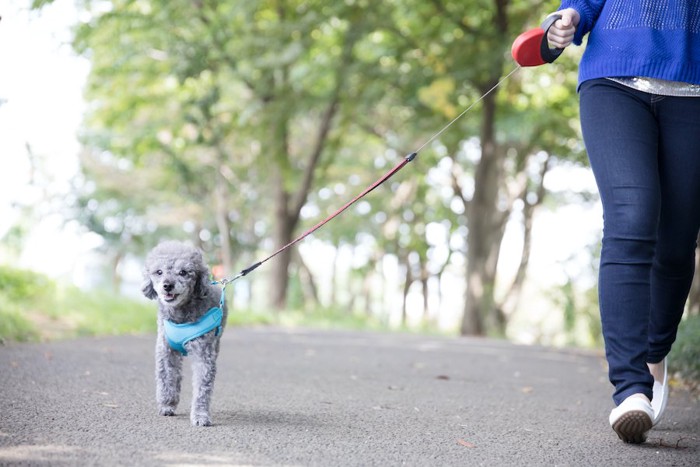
644, 150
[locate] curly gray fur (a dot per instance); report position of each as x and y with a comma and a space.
175, 274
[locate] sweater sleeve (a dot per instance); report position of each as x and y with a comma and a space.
589, 10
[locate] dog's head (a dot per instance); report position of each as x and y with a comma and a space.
174, 273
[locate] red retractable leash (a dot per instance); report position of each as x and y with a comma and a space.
529, 49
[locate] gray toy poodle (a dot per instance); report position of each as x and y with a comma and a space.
191, 317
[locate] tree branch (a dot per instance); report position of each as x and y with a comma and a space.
510, 300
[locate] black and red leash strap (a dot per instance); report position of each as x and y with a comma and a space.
313, 229
407, 159
529, 49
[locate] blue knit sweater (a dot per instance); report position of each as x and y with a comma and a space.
651, 38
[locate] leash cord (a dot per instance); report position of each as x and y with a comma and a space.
382, 179
436, 135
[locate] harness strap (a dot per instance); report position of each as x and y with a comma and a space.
180, 334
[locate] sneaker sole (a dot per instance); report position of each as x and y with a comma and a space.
632, 426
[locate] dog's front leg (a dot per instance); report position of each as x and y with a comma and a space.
168, 377
203, 375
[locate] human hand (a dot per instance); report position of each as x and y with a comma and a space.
561, 34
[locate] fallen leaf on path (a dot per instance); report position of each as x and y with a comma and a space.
466, 444
382, 407
527, 389
442, 377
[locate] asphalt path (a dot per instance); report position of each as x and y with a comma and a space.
328, 398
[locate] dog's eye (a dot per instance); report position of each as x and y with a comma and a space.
183, 273
159, 272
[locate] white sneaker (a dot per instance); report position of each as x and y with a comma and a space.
632, 419
658, 403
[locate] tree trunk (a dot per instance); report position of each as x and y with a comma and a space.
223, 224
306, 278
486, 222
486, 226
511, 299
406, 287
333, 299
367, 293
116, 276
288, 210
282, 235
424, 277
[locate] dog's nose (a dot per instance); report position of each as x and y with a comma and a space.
168, 287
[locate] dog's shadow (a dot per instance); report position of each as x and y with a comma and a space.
256, 417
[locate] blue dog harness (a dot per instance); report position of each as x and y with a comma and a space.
180, 334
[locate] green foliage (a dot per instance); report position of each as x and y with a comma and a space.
21, 293
13, 324
36, 4
204, 119
33, 307
581, 317
685, 355
102, 313
207, 88
18, 285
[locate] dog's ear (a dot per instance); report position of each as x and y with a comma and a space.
201, 284
147, 288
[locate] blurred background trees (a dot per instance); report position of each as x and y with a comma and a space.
238, 125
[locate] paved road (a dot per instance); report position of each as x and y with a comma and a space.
327, 398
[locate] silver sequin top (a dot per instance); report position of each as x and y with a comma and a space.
660, 87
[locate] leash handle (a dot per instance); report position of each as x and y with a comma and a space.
531, 48
549, 54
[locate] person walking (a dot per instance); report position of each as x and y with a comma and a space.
639, 91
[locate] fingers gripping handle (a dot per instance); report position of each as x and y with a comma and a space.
548, 53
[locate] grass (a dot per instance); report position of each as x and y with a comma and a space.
34, 308
70, 312
103, 313
13, 325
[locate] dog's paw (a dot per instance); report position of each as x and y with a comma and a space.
201, 420
167, 411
